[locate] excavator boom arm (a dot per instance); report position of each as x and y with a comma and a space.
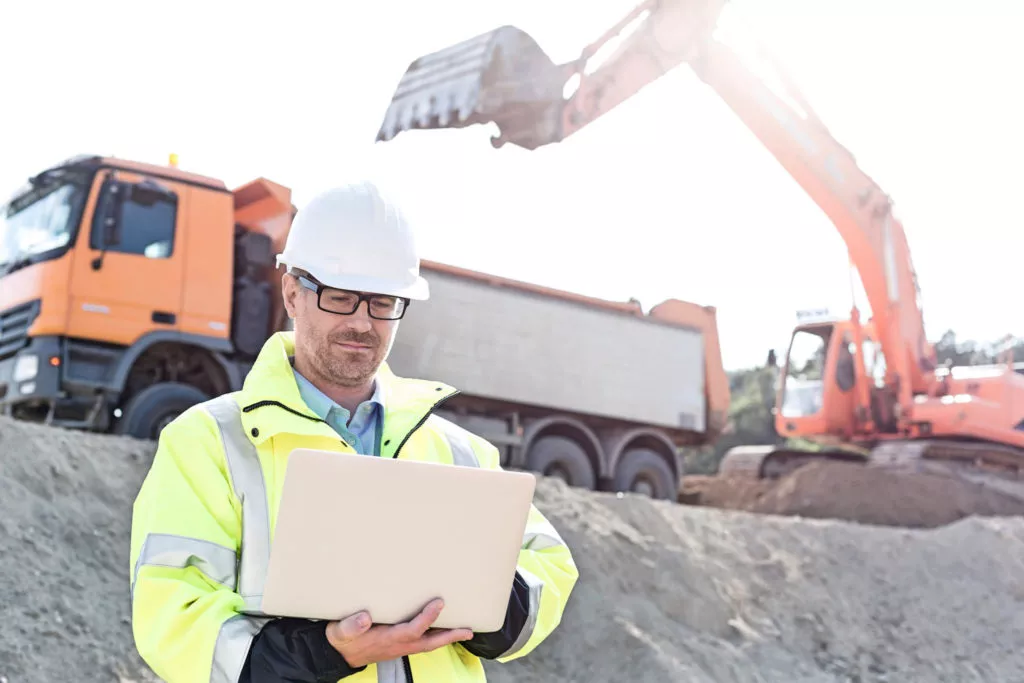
505, 78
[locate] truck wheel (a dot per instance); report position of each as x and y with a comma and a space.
641, 470
153, 408
563, 458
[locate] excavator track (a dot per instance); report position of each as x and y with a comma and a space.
744, 460
985, 456
997, 467
772, 462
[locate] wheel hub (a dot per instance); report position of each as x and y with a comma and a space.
643, 487
559, 472
161, 423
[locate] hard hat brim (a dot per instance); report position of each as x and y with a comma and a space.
416, 287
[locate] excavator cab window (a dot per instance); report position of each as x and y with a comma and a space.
804, 385
846, 368
874, 363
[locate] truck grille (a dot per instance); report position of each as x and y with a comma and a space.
14, 324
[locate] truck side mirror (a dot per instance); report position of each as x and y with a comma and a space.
108, 212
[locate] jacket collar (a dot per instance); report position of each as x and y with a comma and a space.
271, 403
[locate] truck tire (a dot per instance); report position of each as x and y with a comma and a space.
641, 470
562, 458
150, 410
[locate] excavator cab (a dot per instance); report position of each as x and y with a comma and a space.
825, 391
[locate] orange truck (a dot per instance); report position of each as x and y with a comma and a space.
131, 291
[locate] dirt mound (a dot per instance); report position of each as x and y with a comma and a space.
66, 522
677, 593
667, 592
848, 491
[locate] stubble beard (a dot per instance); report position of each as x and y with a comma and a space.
344, 368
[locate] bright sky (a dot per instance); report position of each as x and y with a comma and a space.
668, 196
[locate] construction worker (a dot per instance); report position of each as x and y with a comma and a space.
202, 519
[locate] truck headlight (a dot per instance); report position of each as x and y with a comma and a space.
26, 367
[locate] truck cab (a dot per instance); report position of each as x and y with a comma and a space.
131, 291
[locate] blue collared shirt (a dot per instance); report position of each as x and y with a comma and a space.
362, 430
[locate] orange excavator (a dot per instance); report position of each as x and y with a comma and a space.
869, 391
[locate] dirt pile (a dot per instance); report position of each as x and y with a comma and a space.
667, 592
65, 518
677, 593
931, 497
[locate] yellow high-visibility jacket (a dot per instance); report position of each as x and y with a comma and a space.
204, 519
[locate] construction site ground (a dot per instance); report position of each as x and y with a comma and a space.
808, 579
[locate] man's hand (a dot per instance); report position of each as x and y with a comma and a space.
361, 642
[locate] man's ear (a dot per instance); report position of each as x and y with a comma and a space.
290, 294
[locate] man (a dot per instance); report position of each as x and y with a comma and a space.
202, 519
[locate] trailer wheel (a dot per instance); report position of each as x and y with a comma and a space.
562, 458
643, 471
153, 408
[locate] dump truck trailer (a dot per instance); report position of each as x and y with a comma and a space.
595, 392
131, 291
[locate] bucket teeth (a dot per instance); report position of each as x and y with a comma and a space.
501, 76
439, 90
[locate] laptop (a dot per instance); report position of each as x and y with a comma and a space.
358, 532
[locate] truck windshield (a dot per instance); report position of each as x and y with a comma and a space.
41, 221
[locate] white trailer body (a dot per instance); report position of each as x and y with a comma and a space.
506, 342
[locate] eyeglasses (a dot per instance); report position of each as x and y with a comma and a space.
345, 302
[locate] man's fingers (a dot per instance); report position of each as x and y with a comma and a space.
350, 627
441, 637
422, 621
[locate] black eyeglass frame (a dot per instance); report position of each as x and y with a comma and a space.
319, 288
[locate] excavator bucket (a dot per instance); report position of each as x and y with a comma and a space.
502, 76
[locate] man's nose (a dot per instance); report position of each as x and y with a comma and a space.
360, 319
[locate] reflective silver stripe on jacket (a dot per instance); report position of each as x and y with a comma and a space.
236, 633
247, 481
217, 563
232, 647
458, 441
179, 552
538, 535
391, 671
244, 572
541, 535
536, 586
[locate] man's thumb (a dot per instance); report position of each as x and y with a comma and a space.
351, 627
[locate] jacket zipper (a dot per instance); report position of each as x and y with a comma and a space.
312, 418
406, 665
423, 419
260, 404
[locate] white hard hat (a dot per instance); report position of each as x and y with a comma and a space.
353, 237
